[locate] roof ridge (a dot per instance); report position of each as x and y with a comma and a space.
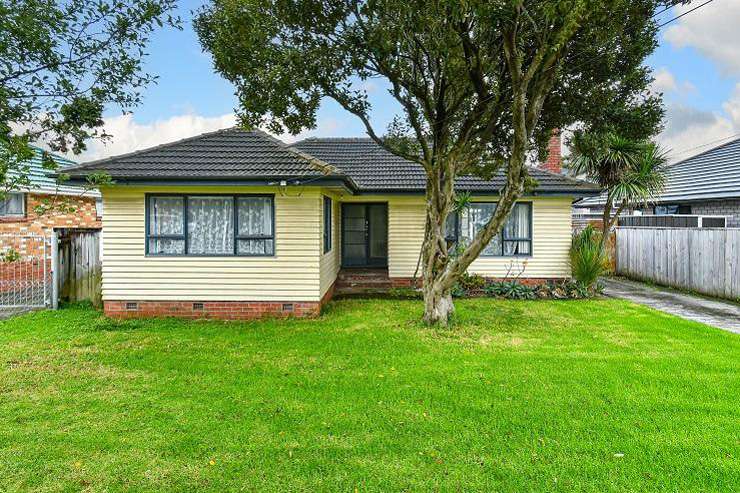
322, 166
160, 146
720, 146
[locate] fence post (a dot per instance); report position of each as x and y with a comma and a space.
55, 270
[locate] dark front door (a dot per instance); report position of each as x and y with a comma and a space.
364, 235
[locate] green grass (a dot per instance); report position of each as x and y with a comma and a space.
520, 396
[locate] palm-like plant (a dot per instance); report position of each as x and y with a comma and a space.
629, 172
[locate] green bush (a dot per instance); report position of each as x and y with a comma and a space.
588, 261
511, 290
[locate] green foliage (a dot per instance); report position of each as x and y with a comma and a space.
602, 395
11, 255
629, 171
588, 260
61, 64
477, 85
512, 290
472, 282
404, 293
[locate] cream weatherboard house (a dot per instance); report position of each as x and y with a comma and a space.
236, 224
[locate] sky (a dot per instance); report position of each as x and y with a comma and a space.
696, 67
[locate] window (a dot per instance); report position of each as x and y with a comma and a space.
515, 239
210, 225
672, 209
99, 207
327, 224
14, 205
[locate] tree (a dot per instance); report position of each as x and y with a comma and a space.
480, 85
628, 171
61, 63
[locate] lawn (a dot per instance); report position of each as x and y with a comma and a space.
520, 396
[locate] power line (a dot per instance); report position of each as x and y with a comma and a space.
685, 13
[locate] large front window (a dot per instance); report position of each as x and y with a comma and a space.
515, 238
210, 225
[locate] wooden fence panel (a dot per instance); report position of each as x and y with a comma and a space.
80, 266
704, 260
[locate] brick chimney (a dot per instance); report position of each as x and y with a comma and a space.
554, 161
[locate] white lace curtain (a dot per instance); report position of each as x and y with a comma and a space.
255, 220
211, 225
166, 219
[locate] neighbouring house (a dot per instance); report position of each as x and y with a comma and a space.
19, 216
237, 224
707, 184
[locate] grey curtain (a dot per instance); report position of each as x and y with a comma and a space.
517, 226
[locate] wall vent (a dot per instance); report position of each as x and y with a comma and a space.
132, 305
287, 307
198, 306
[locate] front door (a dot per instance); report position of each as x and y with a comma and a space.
364, 235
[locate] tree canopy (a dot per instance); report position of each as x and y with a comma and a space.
479, 84
62, 64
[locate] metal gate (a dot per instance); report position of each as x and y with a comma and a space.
25, 271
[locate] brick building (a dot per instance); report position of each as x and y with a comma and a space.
20, 220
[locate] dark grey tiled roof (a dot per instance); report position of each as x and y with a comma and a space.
711, 175
236, 154
226, 154
374, 168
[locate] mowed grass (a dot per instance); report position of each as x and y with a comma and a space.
596, 395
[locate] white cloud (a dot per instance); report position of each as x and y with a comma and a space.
129, 135
690, 131
712, 29
665, 82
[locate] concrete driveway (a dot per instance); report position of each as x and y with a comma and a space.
718, 313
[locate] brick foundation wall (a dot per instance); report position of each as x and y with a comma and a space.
219, 310
222, 310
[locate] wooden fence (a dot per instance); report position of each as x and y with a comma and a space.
705, 260
79, 265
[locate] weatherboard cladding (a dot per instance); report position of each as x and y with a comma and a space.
42, 180
713, 174
241, 154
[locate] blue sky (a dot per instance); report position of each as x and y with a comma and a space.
695, 67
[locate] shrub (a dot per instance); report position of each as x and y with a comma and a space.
472, 282
512, 290
588, 261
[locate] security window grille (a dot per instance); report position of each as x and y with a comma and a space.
327, 224
515, 239
13, 205
210, 225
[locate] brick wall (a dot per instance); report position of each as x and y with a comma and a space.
554, 161
13, 228
729, 208
222, 310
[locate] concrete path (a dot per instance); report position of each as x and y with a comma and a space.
722, 314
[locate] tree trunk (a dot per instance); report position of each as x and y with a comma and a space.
438, 306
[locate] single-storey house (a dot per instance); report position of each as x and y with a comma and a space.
236, 224
707, 184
